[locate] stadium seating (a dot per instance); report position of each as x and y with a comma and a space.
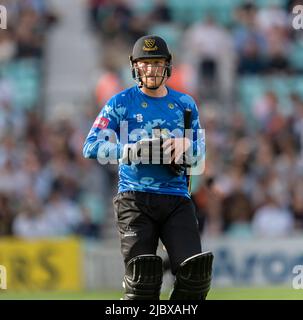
24, 77
253, 87
188, 12
296, 55
170, 32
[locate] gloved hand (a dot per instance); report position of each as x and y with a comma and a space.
177, 148
157, 151
130, 153
145, 151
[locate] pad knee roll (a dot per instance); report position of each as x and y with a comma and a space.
193, 278
143, 278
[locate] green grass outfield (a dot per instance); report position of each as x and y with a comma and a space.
264, 293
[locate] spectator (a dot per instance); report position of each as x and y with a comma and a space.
161, 12
29, 222
237, 215
265, 109
271, 219
201, 43
7, 46
250, 43
29, 35
61, 215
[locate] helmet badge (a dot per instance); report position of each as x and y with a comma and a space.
150, 45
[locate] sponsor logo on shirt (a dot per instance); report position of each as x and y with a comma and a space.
139, 117
101, 123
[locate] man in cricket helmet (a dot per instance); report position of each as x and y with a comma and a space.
152, 49
154, 198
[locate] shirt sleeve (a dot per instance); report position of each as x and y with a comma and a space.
106, 125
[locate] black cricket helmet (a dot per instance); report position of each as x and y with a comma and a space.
150, 47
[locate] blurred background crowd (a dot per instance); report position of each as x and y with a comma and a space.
242, 61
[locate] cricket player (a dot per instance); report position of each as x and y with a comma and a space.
154, 155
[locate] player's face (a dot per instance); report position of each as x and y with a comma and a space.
151, 71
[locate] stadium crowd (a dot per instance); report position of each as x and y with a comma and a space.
229, 60
46, 187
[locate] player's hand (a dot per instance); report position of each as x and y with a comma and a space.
176, 147
130, 153
146, 151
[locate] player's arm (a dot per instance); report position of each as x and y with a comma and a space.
98, 143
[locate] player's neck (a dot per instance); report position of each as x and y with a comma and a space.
158, 93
